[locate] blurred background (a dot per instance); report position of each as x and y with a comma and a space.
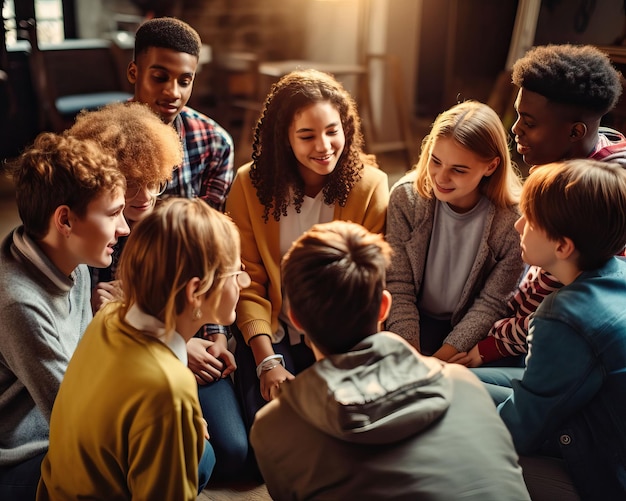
405, 61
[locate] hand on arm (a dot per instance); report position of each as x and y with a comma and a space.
471, 358
446, 352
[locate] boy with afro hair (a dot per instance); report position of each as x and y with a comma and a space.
564, 92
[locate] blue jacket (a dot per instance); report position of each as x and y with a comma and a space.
572, 395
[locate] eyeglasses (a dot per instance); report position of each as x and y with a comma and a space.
242, 277
154, 189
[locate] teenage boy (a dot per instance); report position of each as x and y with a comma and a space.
564, 91
373, 419
570, 400
70, 197
163, 71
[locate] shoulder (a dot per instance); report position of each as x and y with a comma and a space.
372, 180
242, 177
194, 120
504, 218
406, 182
373, 175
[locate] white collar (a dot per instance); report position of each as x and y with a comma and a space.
147, 323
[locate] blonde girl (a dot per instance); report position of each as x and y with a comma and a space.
450, 224
127, 420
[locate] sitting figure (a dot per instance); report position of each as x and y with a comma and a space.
127, 422
450, 224
569, 402
372, 418
70, 197
308, 167
564, 92
146, 150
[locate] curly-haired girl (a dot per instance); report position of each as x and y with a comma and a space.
307, 167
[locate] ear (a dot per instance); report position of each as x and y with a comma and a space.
578, 131
493, 165
61, 220
385, 306
131, 72
294, 320
564, 248
191, 292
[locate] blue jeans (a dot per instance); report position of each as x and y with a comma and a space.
226, 427
19, 482
206, 465
297, 358
497, 380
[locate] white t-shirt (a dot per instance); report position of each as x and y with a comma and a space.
313, 211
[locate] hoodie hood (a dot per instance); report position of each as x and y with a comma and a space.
380, 392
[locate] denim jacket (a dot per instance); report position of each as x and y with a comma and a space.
573, 392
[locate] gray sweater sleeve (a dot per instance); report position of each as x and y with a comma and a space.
405, 273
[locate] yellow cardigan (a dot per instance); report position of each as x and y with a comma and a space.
260, 304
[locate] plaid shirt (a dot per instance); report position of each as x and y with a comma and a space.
207, 170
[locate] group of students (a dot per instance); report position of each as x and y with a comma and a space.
138, 400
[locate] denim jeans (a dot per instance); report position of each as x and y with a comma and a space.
205, 466
497, 380
297, 358
226, 427
19, 482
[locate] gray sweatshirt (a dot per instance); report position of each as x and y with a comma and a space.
43, 314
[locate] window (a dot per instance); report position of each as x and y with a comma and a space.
49, 16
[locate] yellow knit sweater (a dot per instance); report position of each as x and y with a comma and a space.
126, 422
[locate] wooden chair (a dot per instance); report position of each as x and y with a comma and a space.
72, 76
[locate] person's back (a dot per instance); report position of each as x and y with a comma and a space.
373, 419
154, 400
383, 422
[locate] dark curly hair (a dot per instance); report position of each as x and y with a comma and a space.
576, 75
168, 33
274, 170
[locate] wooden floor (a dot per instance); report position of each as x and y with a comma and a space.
247, 491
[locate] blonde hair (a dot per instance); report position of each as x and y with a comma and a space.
179, 240
476, 127
147, 150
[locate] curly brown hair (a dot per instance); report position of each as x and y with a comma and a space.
274, 171
57, 170
147, 150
